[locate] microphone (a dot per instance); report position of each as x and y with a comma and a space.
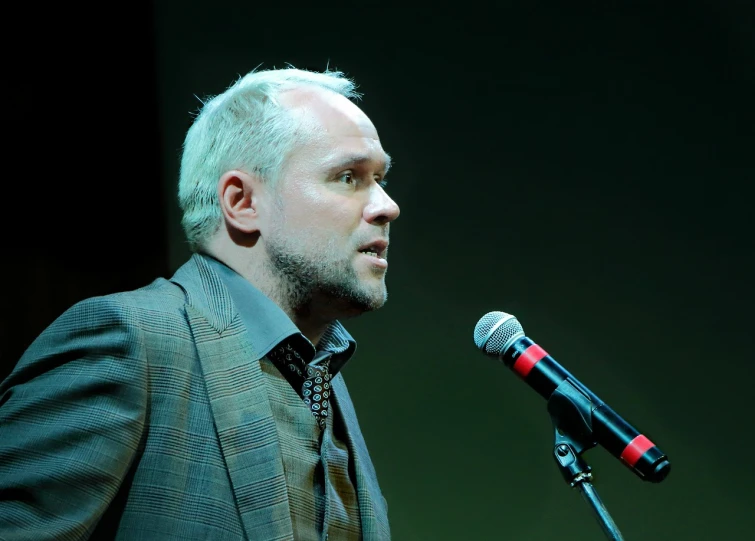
586, 417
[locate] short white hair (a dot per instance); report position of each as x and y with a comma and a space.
243, 128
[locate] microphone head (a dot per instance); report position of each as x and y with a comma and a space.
495, 332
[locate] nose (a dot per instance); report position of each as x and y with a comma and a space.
380, 208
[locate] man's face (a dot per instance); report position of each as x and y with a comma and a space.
328, 232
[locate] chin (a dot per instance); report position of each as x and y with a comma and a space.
358, 302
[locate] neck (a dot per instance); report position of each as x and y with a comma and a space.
251, 264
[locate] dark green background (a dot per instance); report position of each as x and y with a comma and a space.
584, 166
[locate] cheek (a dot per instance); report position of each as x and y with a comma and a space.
314, 208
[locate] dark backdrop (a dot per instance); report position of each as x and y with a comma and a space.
585, 166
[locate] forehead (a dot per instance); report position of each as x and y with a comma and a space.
335, 126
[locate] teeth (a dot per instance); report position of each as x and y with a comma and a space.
370, 253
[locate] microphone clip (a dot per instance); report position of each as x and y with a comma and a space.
571, 412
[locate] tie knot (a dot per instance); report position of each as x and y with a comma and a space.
312, 381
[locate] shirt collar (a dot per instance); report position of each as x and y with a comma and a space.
268, 325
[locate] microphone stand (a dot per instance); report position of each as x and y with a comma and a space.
570, 407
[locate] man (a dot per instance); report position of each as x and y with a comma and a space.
212, 405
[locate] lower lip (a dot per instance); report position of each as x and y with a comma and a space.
377, 261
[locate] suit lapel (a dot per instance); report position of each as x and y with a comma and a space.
244, 420
372, 506
239, 403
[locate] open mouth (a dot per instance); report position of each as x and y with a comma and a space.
372, 252
376, 249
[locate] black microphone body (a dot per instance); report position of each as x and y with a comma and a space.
594, 422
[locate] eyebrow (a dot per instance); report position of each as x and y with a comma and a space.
363, 159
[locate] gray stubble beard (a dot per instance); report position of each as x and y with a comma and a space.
304, 281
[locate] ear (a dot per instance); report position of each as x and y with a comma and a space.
238, 193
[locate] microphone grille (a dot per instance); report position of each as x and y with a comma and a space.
495, 330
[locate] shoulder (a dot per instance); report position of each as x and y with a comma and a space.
158, 300
117, 326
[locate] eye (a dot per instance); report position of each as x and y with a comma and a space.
346, 177
383, 183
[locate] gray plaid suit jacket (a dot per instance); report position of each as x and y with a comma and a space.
144, 415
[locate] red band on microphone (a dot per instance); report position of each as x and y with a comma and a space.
636, 448
528, 359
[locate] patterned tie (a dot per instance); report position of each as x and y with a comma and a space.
316, 391
314, 387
